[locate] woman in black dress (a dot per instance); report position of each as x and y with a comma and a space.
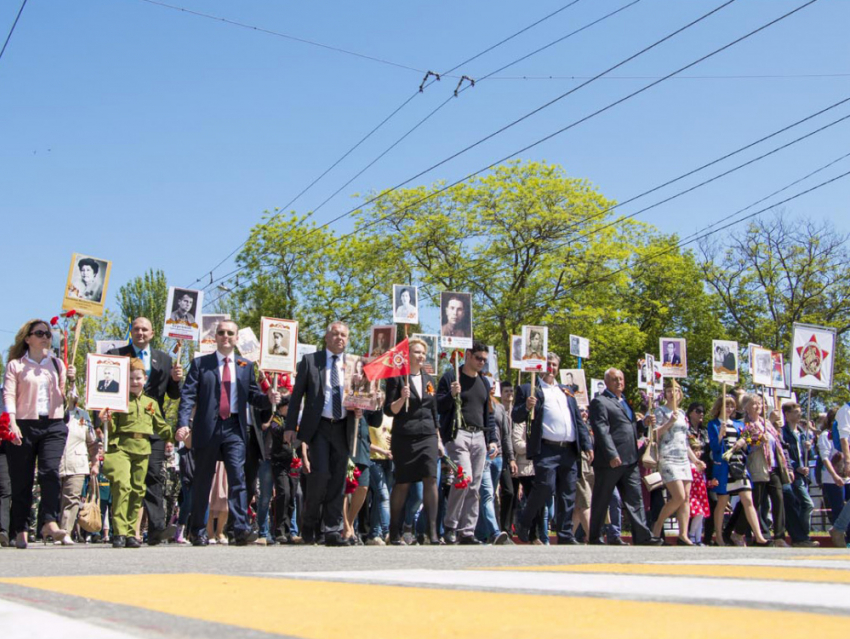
415, 441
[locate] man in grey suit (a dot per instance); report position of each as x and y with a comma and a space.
615, 460
329, 430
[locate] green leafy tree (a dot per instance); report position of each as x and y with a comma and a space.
144, 296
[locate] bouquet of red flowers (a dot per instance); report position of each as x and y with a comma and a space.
295, 466
6, 428
351, 478
456, 477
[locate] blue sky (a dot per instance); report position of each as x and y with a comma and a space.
156, 138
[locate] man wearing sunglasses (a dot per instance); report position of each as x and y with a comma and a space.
469, 436
163, 380
220, 388
556, 438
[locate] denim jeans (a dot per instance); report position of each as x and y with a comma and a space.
380, 481
488, 524
798, 510
412, 504
266, 477
836, 496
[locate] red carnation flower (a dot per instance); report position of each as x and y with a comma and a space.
54, 320
71, 313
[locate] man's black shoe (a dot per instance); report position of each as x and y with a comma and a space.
652, 541
568, 541
132, 542
471, 540
201, 539
617, 541
450, 537
244, 538
595, 541
335, 540
119, 541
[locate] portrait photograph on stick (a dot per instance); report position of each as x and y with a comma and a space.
381, 339
597, 387
649, 373
535, 345
762, 366
574, 382
777, 372
579, 346
248, 344
183, 314
359, 391
455, 320
85, 289
208, 325
724, 365
674, 357
278, 345
107, 382
516, 353
405, 304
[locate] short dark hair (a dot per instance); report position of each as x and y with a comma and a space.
789, 406
506, 385
478, 347
87, 261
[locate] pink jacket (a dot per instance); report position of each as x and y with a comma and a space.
20, 390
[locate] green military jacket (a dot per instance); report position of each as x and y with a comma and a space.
130, 431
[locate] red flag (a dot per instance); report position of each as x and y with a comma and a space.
394, 363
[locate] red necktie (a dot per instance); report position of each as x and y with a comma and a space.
224, 403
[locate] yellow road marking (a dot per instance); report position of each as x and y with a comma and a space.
823, 557
771, 573
328, 610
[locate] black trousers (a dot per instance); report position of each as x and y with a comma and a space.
285, 489
555, 473
328, 455
626, 479
507, 499
44, 442
154, 501
5, 490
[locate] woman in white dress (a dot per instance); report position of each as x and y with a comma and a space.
675, 459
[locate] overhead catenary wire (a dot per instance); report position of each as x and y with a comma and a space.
384, 121
12, 29
563, 129
546, 105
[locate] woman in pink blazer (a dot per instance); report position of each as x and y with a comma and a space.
34, 389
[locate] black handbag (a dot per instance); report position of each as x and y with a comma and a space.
737, 468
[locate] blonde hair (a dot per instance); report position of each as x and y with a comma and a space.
717, 406
19, 346
416, 340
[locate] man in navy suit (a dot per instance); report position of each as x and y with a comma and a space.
556, 438
221, 388
329, 430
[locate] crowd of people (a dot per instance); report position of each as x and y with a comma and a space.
255, 459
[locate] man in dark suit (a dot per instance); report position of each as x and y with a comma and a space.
616, 460
108, 384
671, 358
220, 387
164, 379
555, 441
329, 430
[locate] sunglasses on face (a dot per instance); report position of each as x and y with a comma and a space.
228, 333
41, 333
481, 359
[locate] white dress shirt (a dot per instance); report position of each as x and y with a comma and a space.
234, 409
328, 409
416, 380
557, 421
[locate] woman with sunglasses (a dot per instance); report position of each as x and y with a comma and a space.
34, 390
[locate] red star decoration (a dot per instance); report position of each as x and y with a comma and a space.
822, 354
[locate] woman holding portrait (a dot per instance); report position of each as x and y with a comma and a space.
34, 394
415, 443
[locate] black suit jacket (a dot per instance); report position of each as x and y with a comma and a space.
160, 384
615, 434
520, 414
111, 387
421, 418
310, 389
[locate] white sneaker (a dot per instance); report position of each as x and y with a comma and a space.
375, 541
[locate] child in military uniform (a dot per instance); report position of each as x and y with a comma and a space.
126, 460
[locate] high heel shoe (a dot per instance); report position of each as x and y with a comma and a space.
60, 537
21, 541
683, 541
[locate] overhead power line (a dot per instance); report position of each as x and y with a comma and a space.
382, 123
774, 76
563, 129
12, 30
